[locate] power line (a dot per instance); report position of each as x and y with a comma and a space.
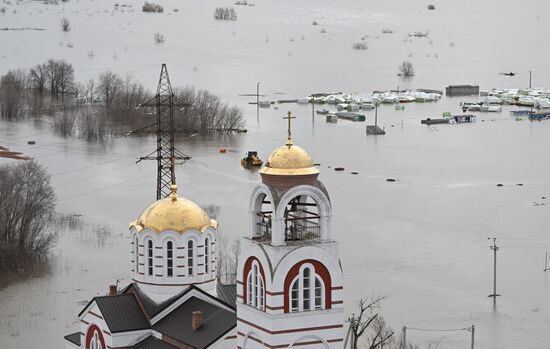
103, 188
439, 330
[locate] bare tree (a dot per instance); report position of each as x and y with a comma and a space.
225, 14
159, 38
406, 69
27, 205
108, 87
12, 93
64, 123
52, 69
90, 89
369, 321
38, 77
65, 74
65, 24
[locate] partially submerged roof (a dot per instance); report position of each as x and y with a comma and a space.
153, 343
217, 322
122, 313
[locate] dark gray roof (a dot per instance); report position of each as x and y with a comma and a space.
73, 338
217, 322
227, 293
122, 313
153, 343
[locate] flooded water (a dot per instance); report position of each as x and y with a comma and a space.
421, 241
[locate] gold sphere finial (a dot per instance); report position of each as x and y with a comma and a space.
174, 189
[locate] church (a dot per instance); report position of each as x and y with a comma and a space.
289, 289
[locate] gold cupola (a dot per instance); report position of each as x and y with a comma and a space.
174, 213
289, 160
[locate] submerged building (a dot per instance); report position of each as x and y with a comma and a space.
289, 283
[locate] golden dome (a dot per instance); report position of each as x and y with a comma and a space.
173, 213
289, 160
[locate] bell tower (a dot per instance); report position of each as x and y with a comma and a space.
289, 276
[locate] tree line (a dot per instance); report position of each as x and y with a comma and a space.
105, 104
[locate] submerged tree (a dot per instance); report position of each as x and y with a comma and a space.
12, 93
27, 205
406, 69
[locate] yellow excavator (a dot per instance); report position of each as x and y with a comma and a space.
251, 159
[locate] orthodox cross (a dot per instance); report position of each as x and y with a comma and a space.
289, 118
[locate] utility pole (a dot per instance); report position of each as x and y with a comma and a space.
166, 154
530, 73
404, 343
313, 109
258, 101
546, 262
375, 114
472, 330
495, 248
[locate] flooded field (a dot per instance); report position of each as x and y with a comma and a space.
421, 240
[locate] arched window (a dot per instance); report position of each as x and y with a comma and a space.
255, 287
190, 259
136, 256
150, 257
95, 343
169, 259
307, 291
206, 255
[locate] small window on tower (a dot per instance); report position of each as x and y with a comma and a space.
206, 255
150, 257
169, 259
190, 259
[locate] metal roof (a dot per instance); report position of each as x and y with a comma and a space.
122, 313
153, 343
227, 293
217, 322
73, 338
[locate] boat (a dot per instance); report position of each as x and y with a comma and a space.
251, 159
322, 111
351, 116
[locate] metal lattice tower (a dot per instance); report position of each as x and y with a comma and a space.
167, 155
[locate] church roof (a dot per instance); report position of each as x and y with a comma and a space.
131, 310
174, 213
122, 313
73, 338
289, 160
227, 293
217, 322
153, 343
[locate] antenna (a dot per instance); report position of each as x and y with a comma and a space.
166, 155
